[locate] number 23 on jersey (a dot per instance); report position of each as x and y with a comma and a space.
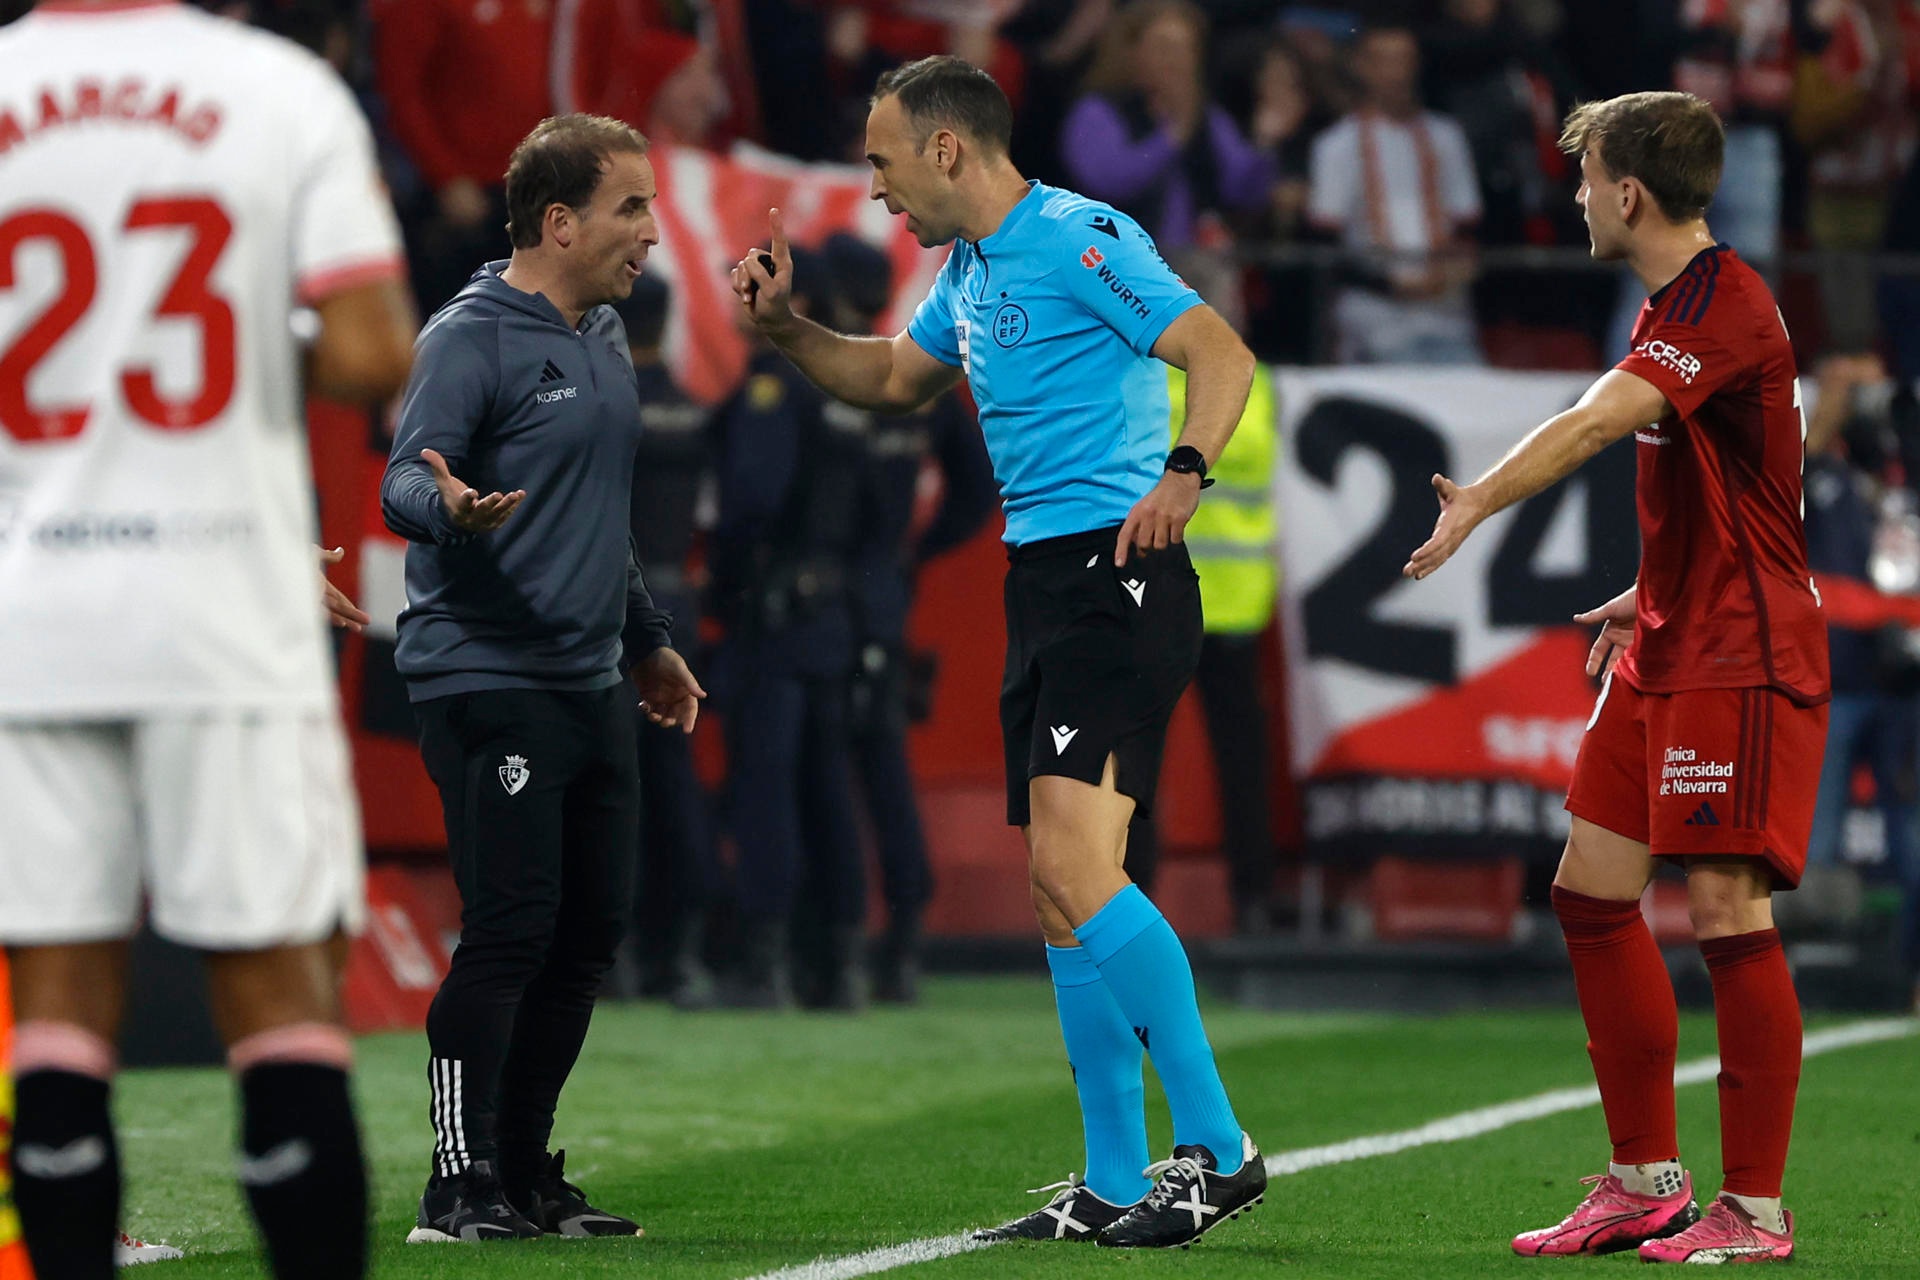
186, 297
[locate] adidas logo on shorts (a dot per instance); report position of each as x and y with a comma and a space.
1703, 817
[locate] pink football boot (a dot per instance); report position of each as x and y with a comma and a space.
1612, 1218
1727, 1234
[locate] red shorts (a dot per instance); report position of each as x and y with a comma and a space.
1707, 771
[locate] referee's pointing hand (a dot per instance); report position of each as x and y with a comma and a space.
470, 512
764, 281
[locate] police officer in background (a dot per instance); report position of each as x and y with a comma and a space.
889, 689
795, 514
1861, 447
672, 474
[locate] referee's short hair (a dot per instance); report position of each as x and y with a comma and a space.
946, 92
560, 162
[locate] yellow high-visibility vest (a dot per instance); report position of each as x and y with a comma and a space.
1232, 536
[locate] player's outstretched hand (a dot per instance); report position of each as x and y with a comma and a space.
1160, 518
764, 281
470, 512
1461, 512
341, 611
1616, 629
668, 692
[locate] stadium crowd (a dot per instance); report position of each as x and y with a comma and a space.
1418, 134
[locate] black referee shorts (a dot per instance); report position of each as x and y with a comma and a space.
1097, 657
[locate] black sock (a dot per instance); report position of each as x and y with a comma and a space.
301, 1166
66, 1174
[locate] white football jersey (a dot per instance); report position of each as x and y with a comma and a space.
172, 187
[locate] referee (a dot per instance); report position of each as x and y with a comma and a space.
1059, 310
512, 645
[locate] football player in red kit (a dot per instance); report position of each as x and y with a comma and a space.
1705, 746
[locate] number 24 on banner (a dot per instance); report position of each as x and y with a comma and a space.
1340, 611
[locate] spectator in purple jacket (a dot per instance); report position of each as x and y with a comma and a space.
1146, 138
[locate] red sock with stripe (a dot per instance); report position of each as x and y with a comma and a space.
1758, 1014
1633, 1025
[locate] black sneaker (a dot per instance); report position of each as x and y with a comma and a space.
559, 1208
469, 1208
1189, 1199
1074, 1214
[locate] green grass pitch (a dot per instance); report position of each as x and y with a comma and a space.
746, 1143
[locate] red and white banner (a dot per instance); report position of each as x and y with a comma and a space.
713, 208
1439, 716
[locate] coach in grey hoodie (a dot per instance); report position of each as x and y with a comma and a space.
514, 398
523, 607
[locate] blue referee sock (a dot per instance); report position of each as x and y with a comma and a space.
1105, 1057
1146, 969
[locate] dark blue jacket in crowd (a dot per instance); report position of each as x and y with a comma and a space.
670, 473
897, 445
1839, 521
515, 398
796, 500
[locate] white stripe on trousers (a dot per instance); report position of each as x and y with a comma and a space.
437, 1109
459, 1117
449, 1125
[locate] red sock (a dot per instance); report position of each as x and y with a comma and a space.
1633, 1026
1758, 1015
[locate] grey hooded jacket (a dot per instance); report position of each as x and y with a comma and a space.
514, 398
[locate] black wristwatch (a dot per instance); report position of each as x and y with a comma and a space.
1189, 461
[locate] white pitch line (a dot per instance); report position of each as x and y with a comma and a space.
894, 1255
1471, 1124
1453, 1128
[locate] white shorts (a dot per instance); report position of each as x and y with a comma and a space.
237, 827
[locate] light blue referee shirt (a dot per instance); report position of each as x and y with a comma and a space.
1052, 317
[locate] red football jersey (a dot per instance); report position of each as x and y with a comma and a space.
1726, 599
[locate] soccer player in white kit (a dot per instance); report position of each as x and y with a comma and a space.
172, 187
